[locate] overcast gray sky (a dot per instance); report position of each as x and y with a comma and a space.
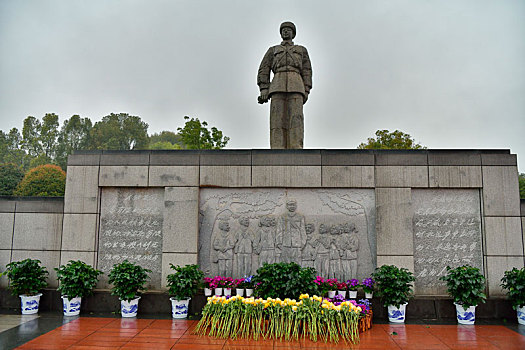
449, 72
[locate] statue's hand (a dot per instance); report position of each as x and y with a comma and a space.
263, 97
305, 97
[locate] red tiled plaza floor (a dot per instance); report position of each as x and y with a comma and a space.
111, 333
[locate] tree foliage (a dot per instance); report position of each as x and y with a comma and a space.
521, 179
10, 177
164, 145
49, 134
74, 135
44, 141
119, 132
165, 136
10, 149
196, 135
44, 180
391, 140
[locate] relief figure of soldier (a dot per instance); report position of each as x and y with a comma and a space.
335, 258
244, 247
264, 243
291, 233
309, 252
223, 245
349, 247
323, 243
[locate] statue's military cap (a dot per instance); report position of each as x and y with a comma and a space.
288, 25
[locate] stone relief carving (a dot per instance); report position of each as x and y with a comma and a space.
277, 225
447, 232
223, 246
244, 247
131, 228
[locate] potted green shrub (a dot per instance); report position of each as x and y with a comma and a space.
284, 280
77, 279
27, 278
514, 282
183, 284
394, 286
466, 285
128, 280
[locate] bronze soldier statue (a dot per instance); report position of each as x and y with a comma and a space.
288, 90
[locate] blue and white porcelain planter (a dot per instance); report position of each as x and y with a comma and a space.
179, 308
521, 315
352, 294
129, 308
249, 292
397, 315
467, 316
30, 303
239, 291
207, 292
71, 306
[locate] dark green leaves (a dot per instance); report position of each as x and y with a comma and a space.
514, 282
284, 280
185, 282
195, 135
26, 277
391, 140
394, 285
127, 279
466, 285
77, 279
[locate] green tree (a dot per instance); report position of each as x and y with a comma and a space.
10, 177
44, 180
195, 135
390, 140
521, 179
165, 140
49, 134
119, 132
164, 145
165, 136
31, 136
10, 149
74, 135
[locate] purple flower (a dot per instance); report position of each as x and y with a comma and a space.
368, 282
339, 298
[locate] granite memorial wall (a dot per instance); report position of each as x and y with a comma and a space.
343, 212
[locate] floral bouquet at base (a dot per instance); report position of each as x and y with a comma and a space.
288, 319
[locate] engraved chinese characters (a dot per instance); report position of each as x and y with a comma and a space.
131, 228
447, 231
330, 230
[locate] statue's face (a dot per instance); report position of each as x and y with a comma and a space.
224, 226
287, 33
245, 222
291, 206
310, 228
